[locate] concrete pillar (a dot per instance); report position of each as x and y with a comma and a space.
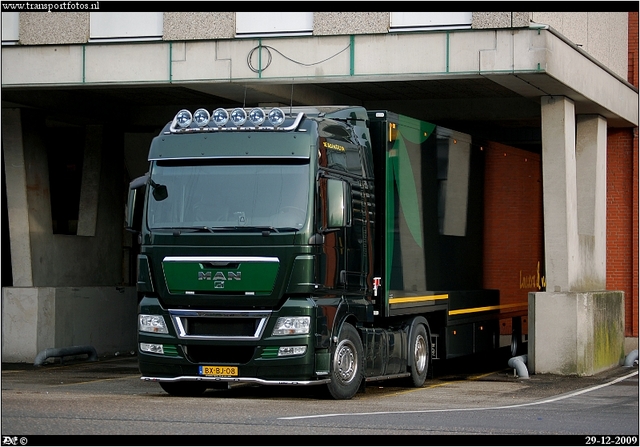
89, 190
575, 326
560, 193
17, 203
39, 318
578, 333
591, 162
28, 322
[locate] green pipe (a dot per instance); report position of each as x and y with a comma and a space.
447, 56
170, 62
352, 52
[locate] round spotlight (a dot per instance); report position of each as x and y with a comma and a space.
220, 117
238, 116
257, 116
201, 117
183, 118
276, 117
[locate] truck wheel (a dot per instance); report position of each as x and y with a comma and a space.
346, 364
420, 349
184, 389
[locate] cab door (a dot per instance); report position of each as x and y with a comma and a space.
334, 222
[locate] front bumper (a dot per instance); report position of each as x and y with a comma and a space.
254, 355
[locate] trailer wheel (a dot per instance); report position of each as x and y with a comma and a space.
346, 364
420, 349
184, 389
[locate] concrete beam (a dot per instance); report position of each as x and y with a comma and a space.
531, 62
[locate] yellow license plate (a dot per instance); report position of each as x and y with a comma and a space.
223, 371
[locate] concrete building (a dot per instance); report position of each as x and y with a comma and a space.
551, 99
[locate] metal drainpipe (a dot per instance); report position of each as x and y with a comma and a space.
631, 358
62, 352
519, 364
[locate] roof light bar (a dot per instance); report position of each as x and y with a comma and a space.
202, 120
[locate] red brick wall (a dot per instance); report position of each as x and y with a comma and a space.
513, 227
622, 221
622, 202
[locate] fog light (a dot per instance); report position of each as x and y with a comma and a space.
152, 348
285, 351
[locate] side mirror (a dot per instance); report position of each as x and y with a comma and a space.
137, 188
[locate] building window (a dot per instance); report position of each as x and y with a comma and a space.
65, 153
123, 26
10, 27
420, 21
252, 24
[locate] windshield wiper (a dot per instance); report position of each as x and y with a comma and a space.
256, 228
178, 230
266, 230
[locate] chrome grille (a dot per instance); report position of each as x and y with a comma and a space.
219, 325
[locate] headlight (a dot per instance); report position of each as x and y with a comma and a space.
292, 325
152, 323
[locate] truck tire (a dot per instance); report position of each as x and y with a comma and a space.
184, 389
346, 364
419, 353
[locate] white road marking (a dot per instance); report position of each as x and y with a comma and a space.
545, 401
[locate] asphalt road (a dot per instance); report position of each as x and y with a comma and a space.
79, 402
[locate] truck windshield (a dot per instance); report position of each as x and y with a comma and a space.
230, 194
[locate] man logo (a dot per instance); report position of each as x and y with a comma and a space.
219, 276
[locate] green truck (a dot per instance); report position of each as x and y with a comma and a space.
329, 246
